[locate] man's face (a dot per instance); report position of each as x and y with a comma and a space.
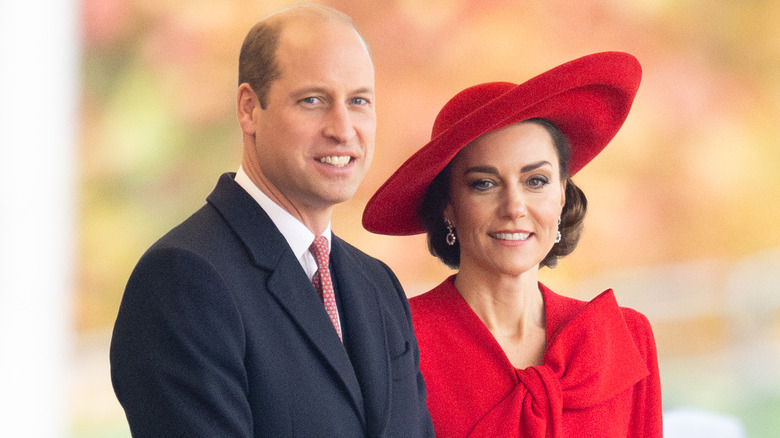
315, 139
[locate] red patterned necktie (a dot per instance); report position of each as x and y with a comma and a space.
322, 281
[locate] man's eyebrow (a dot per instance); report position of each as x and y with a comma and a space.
309, 90
363, 90
323, 90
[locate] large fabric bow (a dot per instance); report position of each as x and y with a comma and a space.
590, 360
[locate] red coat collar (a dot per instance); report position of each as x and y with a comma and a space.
591, 357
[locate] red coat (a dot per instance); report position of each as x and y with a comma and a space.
599, 376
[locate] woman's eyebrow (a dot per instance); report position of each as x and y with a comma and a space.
494, 171
482, 169
533, 166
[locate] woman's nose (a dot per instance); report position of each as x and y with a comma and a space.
514, 203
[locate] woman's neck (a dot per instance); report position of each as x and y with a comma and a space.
511, 307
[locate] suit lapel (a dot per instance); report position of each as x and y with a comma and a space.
287, 282
298, 297
365, 325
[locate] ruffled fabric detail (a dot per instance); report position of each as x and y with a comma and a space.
590, 360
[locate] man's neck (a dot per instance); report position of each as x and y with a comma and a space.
317, 220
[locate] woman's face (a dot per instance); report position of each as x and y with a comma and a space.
506, 195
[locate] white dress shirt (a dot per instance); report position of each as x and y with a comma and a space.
297, 235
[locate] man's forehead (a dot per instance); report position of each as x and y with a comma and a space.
318, 32
309, 54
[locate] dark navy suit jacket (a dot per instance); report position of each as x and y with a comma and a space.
221, 334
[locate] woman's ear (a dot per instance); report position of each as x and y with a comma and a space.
447, 214
248, 103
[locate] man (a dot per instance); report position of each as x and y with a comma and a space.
221, 332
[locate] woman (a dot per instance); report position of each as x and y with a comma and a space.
502, 355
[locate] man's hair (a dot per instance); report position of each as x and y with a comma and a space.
257, 63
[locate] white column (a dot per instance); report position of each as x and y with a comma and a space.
39, 51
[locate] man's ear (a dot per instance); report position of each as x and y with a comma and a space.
248, 104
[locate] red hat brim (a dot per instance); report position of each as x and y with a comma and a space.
588, 99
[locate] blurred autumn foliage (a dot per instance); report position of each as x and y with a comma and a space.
689, 184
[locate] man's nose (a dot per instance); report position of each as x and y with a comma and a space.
339, 124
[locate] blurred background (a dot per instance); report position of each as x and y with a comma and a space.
683, 210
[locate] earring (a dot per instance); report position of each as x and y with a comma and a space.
451, 238
558, 236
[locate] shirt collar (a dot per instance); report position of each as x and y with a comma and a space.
297, 235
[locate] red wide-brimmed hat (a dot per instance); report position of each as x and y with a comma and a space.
587, 99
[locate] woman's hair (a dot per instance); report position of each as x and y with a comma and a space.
431, 211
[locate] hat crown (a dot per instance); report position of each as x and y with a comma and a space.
467, 101
587, 99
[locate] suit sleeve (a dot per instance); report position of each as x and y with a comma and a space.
177, 351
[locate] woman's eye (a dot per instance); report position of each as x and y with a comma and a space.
537, 182
482, 184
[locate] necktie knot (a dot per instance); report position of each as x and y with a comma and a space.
319, 248
322, 280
